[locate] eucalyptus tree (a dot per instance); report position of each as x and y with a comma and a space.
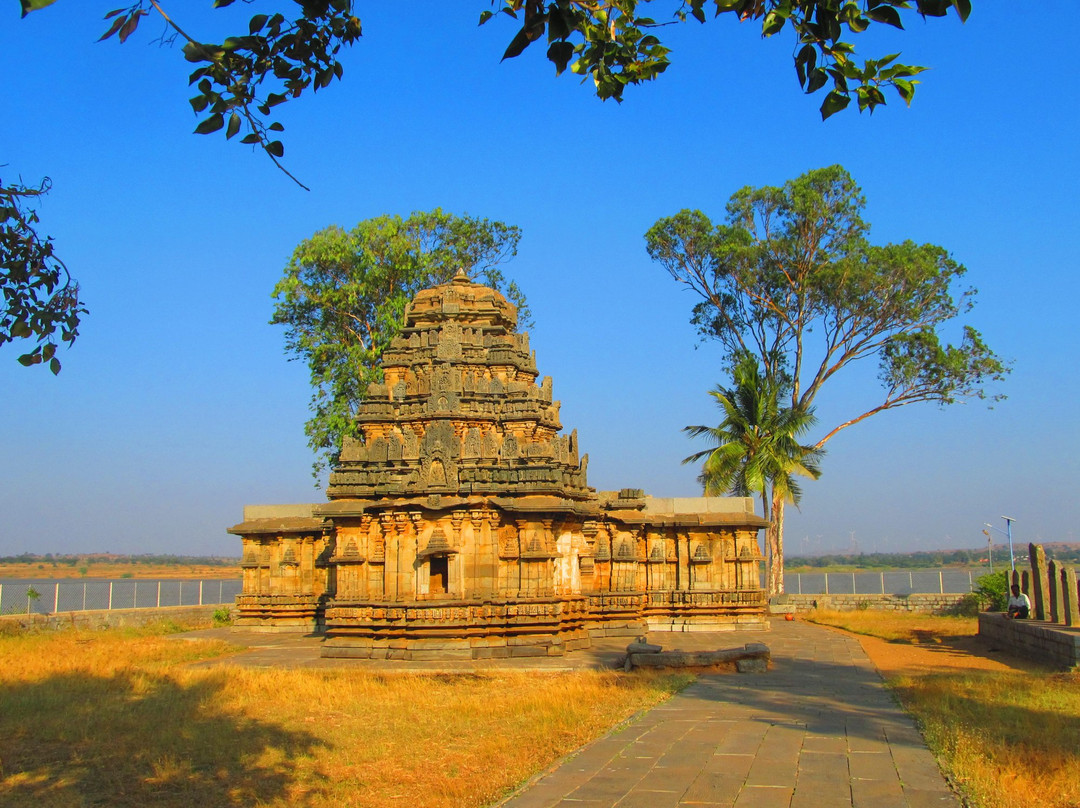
756, 451
792, 278
343, 295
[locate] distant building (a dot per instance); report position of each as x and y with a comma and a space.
462, 524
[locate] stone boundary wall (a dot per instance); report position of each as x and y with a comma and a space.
1058, 645
108, 619
932, 603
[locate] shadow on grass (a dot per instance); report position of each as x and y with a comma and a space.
142, 739
1036, 720
964, 647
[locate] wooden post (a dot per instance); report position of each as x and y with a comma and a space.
1039, 582
1068, 587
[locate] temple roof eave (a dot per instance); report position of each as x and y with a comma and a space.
705, 519
288, 524
527, 504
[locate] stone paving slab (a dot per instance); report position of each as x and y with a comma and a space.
819, 730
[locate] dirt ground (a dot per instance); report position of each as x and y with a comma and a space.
935, 655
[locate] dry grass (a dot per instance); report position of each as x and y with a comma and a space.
1004, 737
908, 627
111, 718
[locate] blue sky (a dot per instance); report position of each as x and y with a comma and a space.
177, 405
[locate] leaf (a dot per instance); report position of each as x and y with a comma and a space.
36, 5
485, 16
256, 24
963, 9
560, 53
887, 15
129, 27
933, 8
234, 126
116, 25
833, 103
275, 148
774, 21
818, 77
520, 41
905, 88
211, 124
252, 138
54, 365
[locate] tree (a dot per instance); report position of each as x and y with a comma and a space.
793, 280
343, 295
756, 450
279, 57
40, 298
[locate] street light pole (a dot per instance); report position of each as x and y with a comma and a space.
989, 549
1008, 529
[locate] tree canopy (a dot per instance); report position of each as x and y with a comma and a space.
279, 56
342, 300
793, 279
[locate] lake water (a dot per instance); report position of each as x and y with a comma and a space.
81, 594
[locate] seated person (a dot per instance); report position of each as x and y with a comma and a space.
1019, 605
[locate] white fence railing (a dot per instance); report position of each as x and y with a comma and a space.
923, 582
50, 597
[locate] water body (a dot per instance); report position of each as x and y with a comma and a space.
81, 594
897, 582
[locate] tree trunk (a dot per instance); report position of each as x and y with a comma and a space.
775, 535
767, 543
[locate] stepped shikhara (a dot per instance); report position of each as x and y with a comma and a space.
461, 523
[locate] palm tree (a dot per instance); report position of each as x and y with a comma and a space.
755, 450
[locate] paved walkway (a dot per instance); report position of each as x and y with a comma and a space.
819, 730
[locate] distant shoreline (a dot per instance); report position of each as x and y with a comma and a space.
88, 567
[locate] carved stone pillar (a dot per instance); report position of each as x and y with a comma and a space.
1040, 582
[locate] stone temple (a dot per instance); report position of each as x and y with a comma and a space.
461, 523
